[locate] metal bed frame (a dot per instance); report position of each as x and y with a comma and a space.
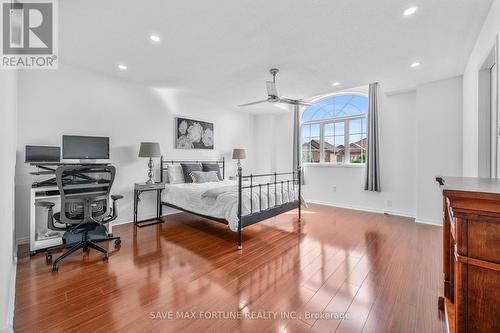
256, 214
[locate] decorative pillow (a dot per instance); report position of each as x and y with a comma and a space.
175, 174
187, 168
212, 167
204, 176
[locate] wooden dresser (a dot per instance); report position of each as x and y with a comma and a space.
471, 249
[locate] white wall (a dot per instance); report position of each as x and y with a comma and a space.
76, 101
439, 138
484, 44
8, 137
411, 123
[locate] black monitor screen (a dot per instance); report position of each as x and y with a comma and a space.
85, 147
42, 154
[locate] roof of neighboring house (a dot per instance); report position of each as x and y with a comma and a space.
315, 144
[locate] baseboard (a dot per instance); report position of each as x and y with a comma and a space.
9, 325
363, 209
22, 240
429, 221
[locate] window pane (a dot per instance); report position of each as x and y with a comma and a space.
357, 148
334, 149
336, 106
355, 126
329, 129
339, 128
310, 143
330, 149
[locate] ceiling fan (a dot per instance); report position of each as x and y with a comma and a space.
272, 93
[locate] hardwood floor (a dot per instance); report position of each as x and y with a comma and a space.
384, 271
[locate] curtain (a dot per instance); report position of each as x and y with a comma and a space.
297, 148
372, 179
296, 138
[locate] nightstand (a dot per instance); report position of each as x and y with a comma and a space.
144, 187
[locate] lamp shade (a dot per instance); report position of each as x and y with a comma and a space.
239, 154
149, 149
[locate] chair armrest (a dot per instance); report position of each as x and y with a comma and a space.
116, 197
46, 204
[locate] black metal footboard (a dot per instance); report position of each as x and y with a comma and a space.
281, 185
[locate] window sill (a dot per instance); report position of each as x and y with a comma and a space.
329, 165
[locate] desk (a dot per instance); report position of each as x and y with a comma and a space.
144, 187
471, 253
38, 218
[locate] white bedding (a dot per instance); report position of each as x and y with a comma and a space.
189, 196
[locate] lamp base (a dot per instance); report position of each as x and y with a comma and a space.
150, 172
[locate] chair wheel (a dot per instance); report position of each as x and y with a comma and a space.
48, 256
118, 241
55, 268
110, 235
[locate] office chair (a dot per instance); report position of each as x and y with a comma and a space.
85, 209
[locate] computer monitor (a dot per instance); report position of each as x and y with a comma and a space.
85, 147
39, 154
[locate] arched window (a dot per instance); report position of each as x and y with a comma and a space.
333, 123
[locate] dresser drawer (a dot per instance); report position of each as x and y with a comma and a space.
483, 240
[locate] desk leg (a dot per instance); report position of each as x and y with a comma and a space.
160, 207
135, 207
158, 204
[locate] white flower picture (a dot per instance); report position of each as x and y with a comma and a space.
194, 134
183, 127
208, 137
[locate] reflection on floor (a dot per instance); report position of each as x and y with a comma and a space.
336, 270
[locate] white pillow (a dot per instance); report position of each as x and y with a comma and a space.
204, 176
175, 174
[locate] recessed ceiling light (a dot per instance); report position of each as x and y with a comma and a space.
410, 11
336, 84
122, 67
155, 38
415, 64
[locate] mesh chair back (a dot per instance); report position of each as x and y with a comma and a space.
84, 191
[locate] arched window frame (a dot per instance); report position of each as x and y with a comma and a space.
323, 122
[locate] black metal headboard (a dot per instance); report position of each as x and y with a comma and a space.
221, 163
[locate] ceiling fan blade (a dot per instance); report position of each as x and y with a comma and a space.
294, 101
253, 103
271, 88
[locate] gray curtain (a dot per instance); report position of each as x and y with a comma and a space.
296, 138
297, 148
372, 180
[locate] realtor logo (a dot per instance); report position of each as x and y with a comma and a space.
29, 34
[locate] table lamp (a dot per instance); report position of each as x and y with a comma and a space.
239, 154
150, 150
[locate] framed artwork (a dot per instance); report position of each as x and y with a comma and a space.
194, 134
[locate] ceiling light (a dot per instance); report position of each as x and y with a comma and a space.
336, 84
415, 64
155, 38
122, 67
410, 11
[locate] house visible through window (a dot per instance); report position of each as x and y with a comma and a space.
334, 130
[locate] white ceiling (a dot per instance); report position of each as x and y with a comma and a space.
220, 50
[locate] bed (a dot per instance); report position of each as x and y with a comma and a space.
238, 203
